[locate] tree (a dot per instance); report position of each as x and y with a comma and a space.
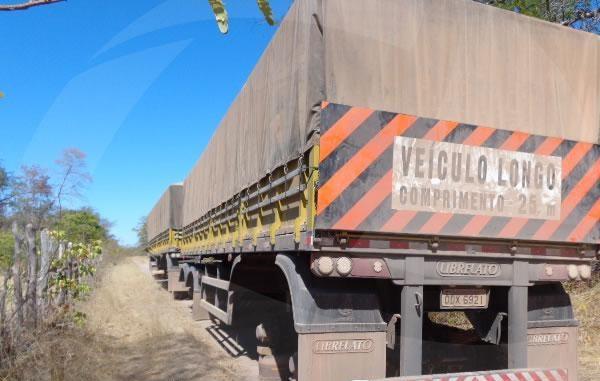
141, 231
217, 6
33, 196
82, 226
36, 196
16, 275
49, 255
576, 13
7, 244
35, 202
27, 5
73, 176
5, 194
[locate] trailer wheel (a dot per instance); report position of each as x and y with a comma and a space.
273, 368
162, 265
273, 353
183, 271
276, 341
189, 282
293, 367
263, 314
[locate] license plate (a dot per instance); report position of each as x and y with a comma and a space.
464, 298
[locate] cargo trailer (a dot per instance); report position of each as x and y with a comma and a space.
163, 225
387, 165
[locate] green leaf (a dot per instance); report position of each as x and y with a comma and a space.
218, 8
266, 10
7, 244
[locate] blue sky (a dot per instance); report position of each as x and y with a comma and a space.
139, 86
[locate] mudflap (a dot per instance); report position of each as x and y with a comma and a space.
552, 330
341, 334
173, 282
341, 356
553, 347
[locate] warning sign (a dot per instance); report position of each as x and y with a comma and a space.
454, 178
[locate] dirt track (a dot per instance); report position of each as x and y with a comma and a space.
141, 333
153, 336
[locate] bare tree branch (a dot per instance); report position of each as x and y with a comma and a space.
27, 5
61, 188
74, 176
6, 199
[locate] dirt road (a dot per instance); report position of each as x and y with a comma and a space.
138, 332
152, 336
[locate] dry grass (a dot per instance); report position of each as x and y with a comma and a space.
586, 300
133, 331
452, 319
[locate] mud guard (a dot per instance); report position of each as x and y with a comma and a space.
329, 305
341, 334
552, 329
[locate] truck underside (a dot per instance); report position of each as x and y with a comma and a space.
306, 327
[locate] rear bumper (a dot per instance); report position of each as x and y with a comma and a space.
498, 375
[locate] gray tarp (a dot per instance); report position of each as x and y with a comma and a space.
453, 59
464, 61
270, 119
166, 214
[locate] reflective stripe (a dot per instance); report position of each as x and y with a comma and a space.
527, 376
557, 375
518, 375
542, 376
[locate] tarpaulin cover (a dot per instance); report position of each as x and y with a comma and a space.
269, 121
454, 60
464, 61
166, 214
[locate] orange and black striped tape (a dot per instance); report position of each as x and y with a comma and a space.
355, 178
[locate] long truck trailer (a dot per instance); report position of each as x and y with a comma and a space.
389, 162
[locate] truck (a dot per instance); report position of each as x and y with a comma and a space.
391, 168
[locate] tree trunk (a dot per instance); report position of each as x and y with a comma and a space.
4, 337
17, 275
48, 246
62, 295
31, 275
7, 275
